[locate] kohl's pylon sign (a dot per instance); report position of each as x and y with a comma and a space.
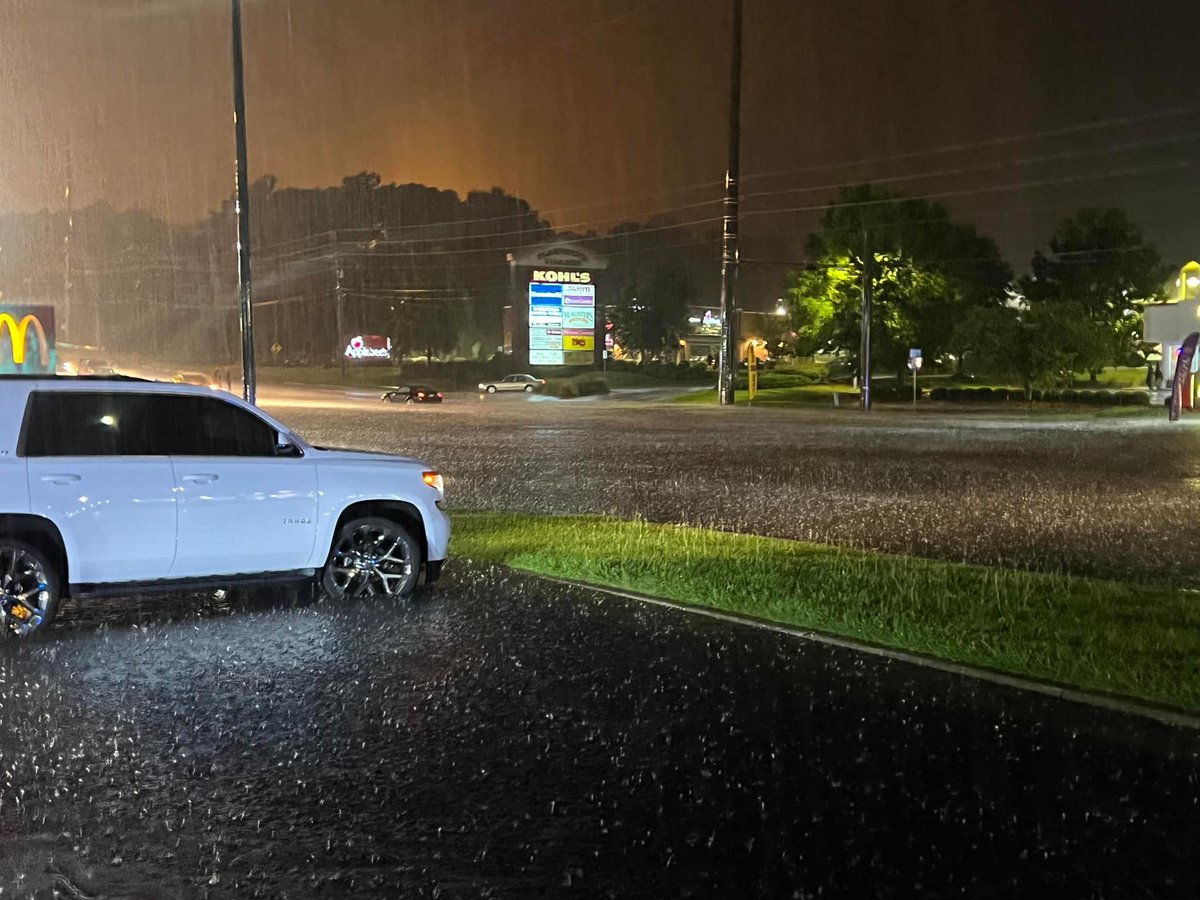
1183, 371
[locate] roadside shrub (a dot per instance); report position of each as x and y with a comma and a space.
1037, 395
566, 390
1067, 395
938, 393
983, 394
954, 394
588, 385
1135, 398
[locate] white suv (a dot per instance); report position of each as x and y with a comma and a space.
109, 485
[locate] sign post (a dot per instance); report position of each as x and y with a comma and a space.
751, 372
914, 363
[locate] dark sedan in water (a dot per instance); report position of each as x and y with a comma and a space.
417, 393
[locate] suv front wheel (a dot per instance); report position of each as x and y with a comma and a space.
29, 589
372, 557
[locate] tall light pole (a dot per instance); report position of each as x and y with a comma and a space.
245, 307
729, 231
864, 347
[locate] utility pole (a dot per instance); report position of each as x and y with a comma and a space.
864, 350
246, 307
729, 231
339, 299
64, 322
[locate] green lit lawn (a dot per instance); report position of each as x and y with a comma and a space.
785, 396
1127, 639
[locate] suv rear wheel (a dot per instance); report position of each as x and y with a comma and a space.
372, 557
29, 588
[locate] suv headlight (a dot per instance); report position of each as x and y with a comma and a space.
435, 481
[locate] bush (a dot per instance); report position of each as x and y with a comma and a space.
589, 385
577, 386
1037, 395
984, 394
1067, 395
938, 393
1134, 398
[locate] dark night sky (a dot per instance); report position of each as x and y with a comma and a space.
599, 109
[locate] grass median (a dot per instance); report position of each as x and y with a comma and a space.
1127, 639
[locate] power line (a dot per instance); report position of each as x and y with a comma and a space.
987, 167
991, 142
1049, 182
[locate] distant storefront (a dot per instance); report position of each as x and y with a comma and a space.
27, 340
1168, 324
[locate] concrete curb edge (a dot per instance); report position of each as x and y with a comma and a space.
1165, 715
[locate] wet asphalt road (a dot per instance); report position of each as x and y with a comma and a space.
1106, 496
508, 737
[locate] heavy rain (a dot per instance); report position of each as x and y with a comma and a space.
599, 448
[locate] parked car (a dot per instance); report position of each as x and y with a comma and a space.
115, 486
197, 378
525, 383
91, 366
417, 393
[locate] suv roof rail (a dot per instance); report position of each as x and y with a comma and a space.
31, 377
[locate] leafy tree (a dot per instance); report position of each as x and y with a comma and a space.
1100, 261
651, 313
929, 272
1036, 343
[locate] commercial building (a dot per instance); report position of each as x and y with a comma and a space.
1167, 325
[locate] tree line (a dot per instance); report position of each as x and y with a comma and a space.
942, 287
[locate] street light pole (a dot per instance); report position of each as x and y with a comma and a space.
729, 234
864, 349
246, 308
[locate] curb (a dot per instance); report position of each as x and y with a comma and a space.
1163, 714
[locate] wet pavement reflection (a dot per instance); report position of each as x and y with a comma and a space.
509, 737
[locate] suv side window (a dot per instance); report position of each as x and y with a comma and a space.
86, 423
204, 426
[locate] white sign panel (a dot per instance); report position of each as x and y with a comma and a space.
546, 357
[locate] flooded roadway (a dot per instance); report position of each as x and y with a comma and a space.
1108, 496
508, 737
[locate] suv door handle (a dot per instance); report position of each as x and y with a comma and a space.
62, 478
200, 478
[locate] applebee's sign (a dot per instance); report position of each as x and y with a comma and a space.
369, 346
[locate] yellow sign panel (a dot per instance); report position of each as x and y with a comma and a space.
751, 371
583, 342
17, 336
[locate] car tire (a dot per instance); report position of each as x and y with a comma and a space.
491, 389
34, 572
529, 388
408, 399
354, 567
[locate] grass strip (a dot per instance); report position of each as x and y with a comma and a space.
1127, 639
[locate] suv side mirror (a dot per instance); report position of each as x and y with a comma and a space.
284, 446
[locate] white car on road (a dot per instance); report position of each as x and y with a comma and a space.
115, 485
526, 383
